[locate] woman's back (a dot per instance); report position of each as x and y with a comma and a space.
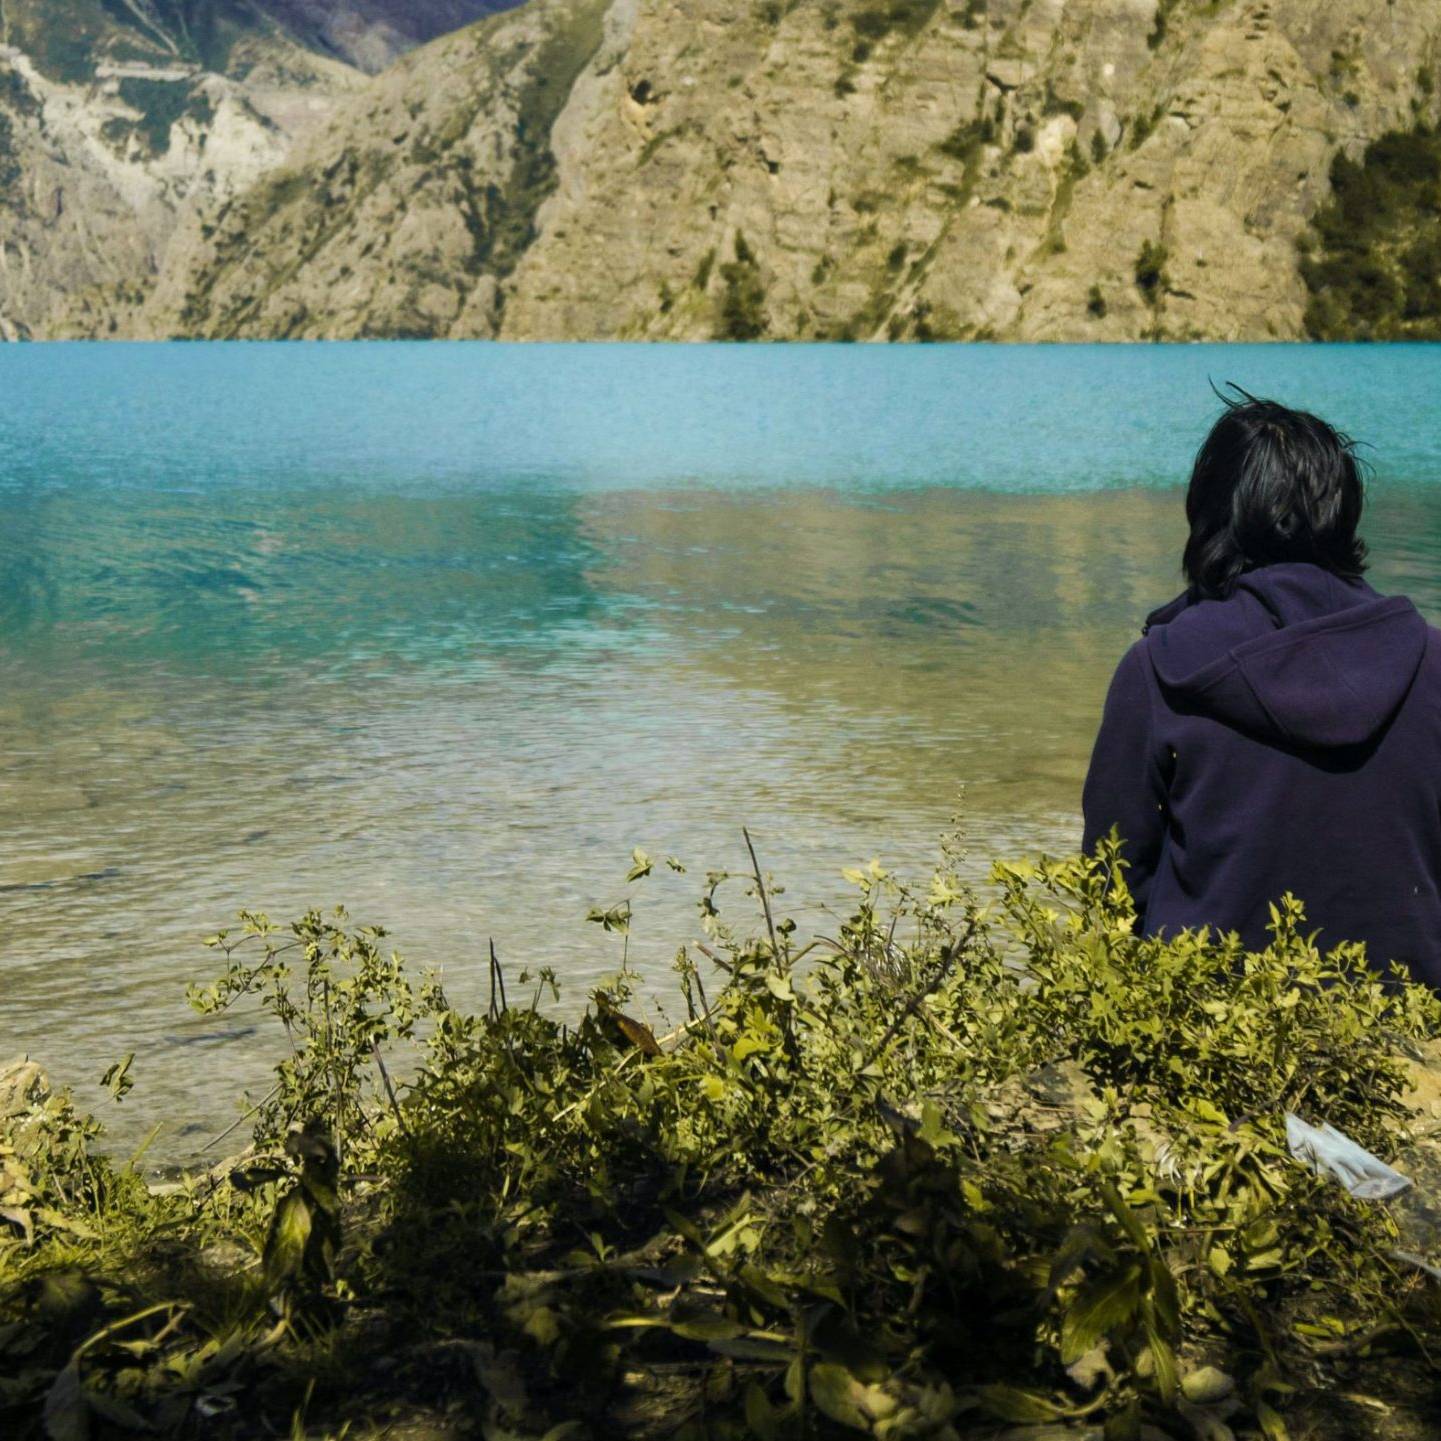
1278, 726
1288, 739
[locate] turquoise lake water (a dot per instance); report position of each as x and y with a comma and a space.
443, 631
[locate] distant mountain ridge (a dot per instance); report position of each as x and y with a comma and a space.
371, 34
118, 118
801, 169
69, 40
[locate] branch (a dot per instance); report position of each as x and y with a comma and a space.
761, 887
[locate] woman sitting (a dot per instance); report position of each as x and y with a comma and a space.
1278, 725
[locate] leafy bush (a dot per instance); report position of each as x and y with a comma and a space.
968, 137
1157, 36
876, 20
1150, 271
1143, 126
1369, 259
742, 303
954, 1166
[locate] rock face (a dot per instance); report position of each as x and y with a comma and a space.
405, 215
1015, 169
119, 119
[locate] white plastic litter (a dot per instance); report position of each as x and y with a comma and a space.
1329, 1152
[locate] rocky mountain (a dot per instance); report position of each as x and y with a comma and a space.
370, 34
118, 118
843, 169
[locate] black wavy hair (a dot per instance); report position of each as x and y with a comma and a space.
1271, 484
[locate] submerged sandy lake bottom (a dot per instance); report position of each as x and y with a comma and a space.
444, 632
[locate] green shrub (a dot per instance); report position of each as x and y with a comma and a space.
1143, 126
1150, 271
742, 302
953, 1164
877, 20
1368, 258
968, 137
1159, 27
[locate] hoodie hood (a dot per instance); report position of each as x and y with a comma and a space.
1294, 654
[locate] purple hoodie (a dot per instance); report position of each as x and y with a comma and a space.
1287, 738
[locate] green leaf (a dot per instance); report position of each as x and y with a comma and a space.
837, 1393
1163, 1359
1164, 1299
706, 1326
617, 918
290, 1230
66, 1412
760, 1414
1010, 1403
780, 987
1100, 1307
641, 865
933, 1130
542, 1325
1273, 1428
796, 1380
753, 1348
116, 1412
117, 1080
1125, 1215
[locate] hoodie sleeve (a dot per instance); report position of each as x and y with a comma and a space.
1126, 784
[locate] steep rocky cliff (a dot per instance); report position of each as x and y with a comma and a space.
1027, 169
1019, 169
118, 118
405, 215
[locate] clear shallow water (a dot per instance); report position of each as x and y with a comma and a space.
443, 632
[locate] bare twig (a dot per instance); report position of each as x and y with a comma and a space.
948, 959
389, 1088
705, 1011
499, 975
236, 1125
715, 956
761, 887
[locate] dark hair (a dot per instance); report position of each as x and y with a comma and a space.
1271, 484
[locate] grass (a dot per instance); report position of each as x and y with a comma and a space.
952, 1166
